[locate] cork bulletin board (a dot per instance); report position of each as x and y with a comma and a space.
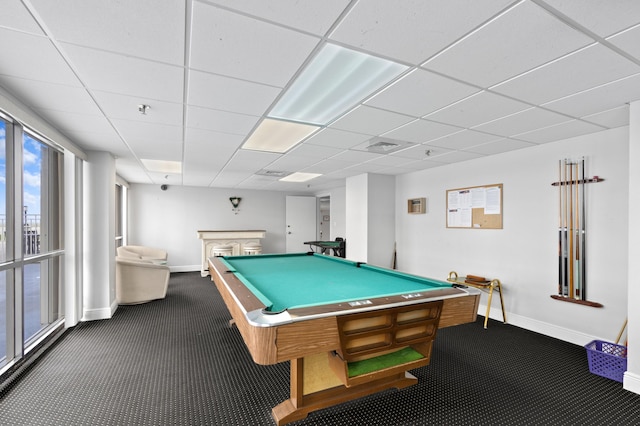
475, 207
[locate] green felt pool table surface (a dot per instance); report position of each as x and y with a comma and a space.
287, 281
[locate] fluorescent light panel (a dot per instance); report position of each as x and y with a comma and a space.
299, 177
333, 82
277, 135
162, 166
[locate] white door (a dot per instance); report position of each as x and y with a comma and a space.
300, 223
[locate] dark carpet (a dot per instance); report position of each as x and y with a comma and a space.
177, 362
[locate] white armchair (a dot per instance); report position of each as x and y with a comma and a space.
142, 253
140, 281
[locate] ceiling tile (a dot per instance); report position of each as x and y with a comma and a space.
629, 41
564, 130
229, 178
420, 92
140, 28
603, 17
126, 107
420, 131
463, 140
292, 163
253, 50
229, 94
328, 166
152, 140
250, 161
477, 109
412, 31
220, 121
421, 152
584, 69
32, 66
15, 15
371, 121
457, 156
131, 171
225, 143
99, 141
391, 161
499, 146
319, 152
352, 156
311, 16
336, 138
612, 118
67, 122
601, 98
39, 94
126, 75
521, 122
520, 40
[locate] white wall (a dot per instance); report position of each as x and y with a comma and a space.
338, 214
524, 254
170, 219
356, 220
381, 214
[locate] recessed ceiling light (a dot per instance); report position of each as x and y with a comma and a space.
334, 81
278, 135
162, 166
300, 177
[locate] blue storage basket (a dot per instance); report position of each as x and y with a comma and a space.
607, 359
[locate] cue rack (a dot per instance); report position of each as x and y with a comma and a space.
572, 237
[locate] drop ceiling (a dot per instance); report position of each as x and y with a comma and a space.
481, 78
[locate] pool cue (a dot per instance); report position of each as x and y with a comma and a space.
622, 331
565, 250
576, 294
560, 245
570, 229
394, 259
583, 236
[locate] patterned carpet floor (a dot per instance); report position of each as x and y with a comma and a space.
177, 362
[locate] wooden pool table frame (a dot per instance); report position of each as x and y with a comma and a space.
313, 338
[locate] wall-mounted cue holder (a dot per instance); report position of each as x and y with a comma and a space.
594, 179
572, 236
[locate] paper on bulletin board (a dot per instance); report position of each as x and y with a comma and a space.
492, 203
459, 218
460, 204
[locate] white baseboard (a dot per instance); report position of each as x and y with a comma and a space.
185, 268
631, 382
98, 314
536, 326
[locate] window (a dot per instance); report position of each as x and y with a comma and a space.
42, 176
4, 296
31, 244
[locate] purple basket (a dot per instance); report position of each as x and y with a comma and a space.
607, 359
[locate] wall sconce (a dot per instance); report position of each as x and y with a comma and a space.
235, 202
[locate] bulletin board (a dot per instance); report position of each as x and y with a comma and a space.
475, 207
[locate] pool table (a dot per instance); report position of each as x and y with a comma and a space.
348, 329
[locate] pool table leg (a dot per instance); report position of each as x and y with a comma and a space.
299, 405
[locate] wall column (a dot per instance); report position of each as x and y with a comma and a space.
632, 376
99, 298
370, 218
